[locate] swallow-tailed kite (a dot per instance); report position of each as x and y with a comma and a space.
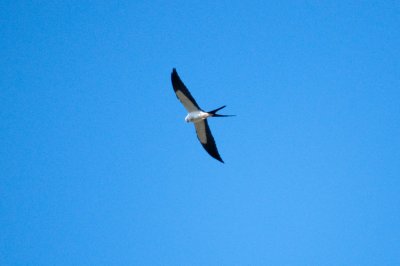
197, 116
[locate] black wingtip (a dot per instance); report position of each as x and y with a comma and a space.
218, 158
213, 153
174, 75
175, 78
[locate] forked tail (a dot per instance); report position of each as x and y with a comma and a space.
214, 112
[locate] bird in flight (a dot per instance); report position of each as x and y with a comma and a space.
197, 116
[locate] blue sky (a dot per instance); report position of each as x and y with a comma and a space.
98, 166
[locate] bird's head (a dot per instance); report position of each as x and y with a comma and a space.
188, 118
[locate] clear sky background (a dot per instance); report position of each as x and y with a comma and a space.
98, 167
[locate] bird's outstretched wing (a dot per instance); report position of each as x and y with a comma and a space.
183, 93
206, 139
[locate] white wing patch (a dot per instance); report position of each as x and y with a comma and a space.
189, 106
201, 131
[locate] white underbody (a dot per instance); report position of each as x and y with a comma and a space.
196, 116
